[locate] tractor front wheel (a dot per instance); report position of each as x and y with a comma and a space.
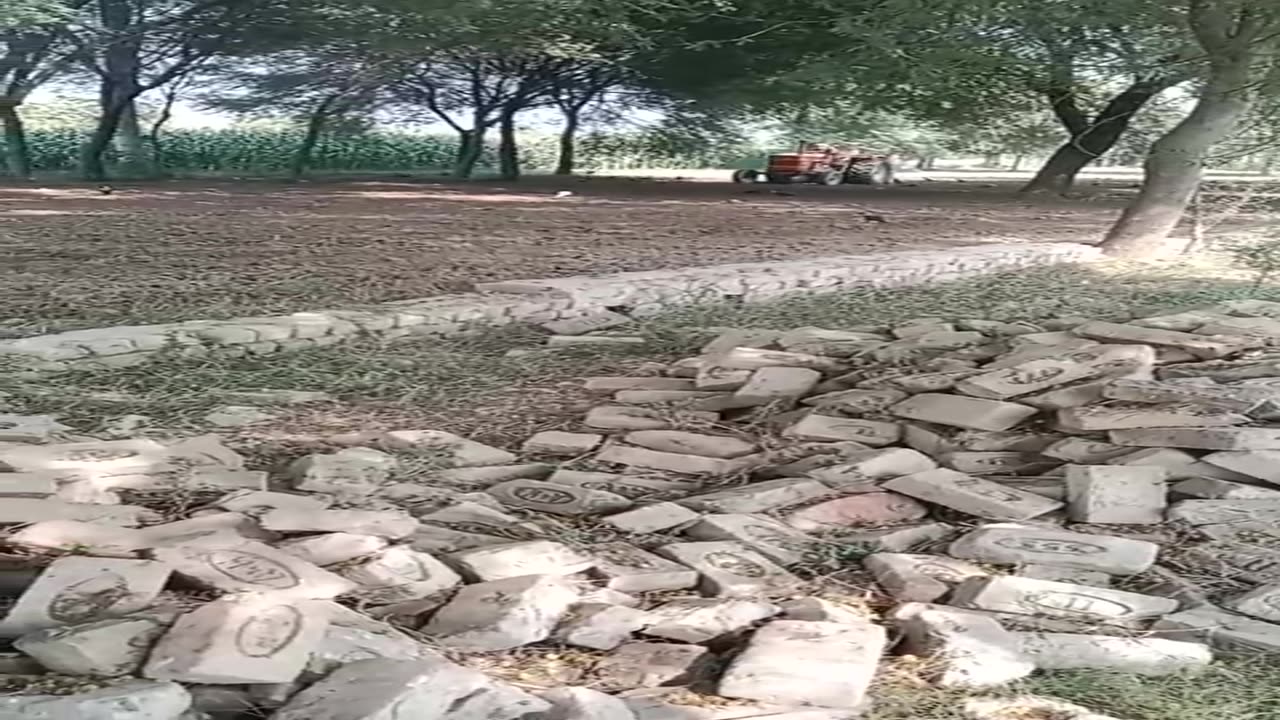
746, 176
871, 173
831, 177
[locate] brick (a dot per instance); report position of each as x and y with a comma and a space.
964, 412
971, 495
1203, 347
1113, 495
21, 510
651, 518
715, 378
1260, 464
856, 401
646, 665
1027, 706
556, 499
1067, 397
673, 462
678, 441
428, 687
864, 467
825, 428
558, 341
832, 343
556, 442
613, 384
1217, 397
353, 471
701, 620
792, 662
502, 614
91, 538
1140, 656
248, 566
458, 451
1114, 417
80, 589
1020, 544
104, 648
758, 496
659, 397
611, 417
1208, 512
537, 557
1025, 378
1215, 489
399, 574
1262, 602
1027, 596
600, 626
136, 700
332, 548
583, 324
1084, 451
239, 639
776, 384
995, 463
1214, 438
870, 509
963, 649
256, 502
780, 543
740, 338
1063, 574
393, 524
1229, 634
95, 460
629, 569
478, 478
632, 487
746, 358
729, 569
918, 578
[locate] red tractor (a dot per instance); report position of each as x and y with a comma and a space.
823, 164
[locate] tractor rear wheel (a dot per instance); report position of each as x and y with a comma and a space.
870, 173
746, 176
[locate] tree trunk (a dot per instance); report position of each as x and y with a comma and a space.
17, 154
991, 160
470, 147
135, 156
925, 162
1059, 172
315, 127
508, 148
1176, 161
568, 144
1017, 162
93, 165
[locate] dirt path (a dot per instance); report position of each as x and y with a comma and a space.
72, 257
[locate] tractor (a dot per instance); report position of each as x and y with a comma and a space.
822, 164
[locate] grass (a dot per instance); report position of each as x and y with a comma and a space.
1242, 689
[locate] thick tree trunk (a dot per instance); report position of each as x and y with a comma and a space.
135, 155
17, 154
508, 148
315, 127
93, 166
1059, 172
567, 158
1176, 162
470, 147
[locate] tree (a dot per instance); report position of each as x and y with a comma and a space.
318, 86
32, 51
1240, 39
135, 46
572, 94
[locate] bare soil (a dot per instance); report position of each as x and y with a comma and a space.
72, 256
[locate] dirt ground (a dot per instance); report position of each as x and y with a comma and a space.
71, 256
